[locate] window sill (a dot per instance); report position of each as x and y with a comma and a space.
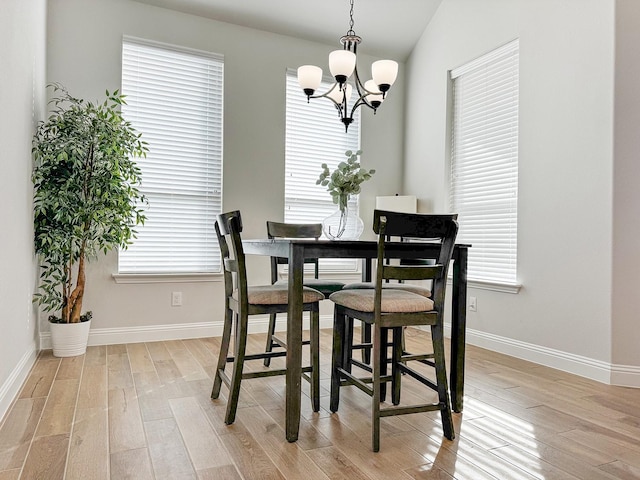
166, 277
495, 286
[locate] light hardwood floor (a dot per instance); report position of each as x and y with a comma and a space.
143, 411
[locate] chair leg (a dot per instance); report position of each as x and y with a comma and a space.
337, 357
384, 335
224, 351
347, 343
270, 333
398, 347
238, 365
315, 357
378, 339
365, 337
404, 344
437, 337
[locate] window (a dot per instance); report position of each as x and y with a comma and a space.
484, 163
174, 98
314, 135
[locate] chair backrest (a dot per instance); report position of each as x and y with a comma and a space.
228, 228
437, 229
293, 230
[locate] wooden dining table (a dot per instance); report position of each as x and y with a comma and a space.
296, 250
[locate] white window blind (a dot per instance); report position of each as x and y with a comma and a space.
315, 135
484, 162
174, 98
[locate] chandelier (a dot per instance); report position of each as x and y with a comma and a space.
342, 64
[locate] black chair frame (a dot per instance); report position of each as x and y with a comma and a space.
237, 312
444, 229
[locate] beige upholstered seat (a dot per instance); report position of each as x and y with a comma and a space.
392, 300
425, 292
392, 309
242, 301
277, 295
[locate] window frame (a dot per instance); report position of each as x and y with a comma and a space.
504, 62
199, 147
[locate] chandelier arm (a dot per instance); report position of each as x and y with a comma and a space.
359, 85
363, 93
360, 102
326, 94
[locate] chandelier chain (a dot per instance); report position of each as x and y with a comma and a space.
351, 32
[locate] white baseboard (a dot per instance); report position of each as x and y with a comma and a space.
156, 333
625, 375
11, 387
621, 375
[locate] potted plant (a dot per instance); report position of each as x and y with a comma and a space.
86, 201
341, 184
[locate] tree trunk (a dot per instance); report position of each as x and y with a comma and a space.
75, 299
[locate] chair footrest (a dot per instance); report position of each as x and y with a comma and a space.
264, 373
362, 365
224, 377
281, 343
407, 357
258, 356
428, 407
418, 376
361, 383
361, 346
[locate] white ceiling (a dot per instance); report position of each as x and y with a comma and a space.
387, 27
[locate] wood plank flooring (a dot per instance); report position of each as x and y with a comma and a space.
142, 411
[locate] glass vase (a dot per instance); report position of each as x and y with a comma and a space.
343, 224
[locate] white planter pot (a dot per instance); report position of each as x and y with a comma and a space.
69, 339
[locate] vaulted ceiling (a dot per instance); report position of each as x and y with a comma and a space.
388, 28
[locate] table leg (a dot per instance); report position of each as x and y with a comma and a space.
365, 329
294, 342
458, 328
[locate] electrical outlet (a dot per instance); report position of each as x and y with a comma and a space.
176, 299
473, 304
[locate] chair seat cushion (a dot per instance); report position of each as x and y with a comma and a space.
277, 295
425, 292
327, 287
393, 300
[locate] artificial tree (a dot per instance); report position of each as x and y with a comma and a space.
86, 196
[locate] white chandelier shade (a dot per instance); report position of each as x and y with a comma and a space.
343, 68
341, 64
375, 96
309, 78
384, 73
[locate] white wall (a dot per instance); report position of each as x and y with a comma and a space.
562, 315
84, 53
626, 224
22, 45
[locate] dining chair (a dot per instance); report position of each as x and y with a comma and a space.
392, 309
365, 330
242, 301
324, 286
